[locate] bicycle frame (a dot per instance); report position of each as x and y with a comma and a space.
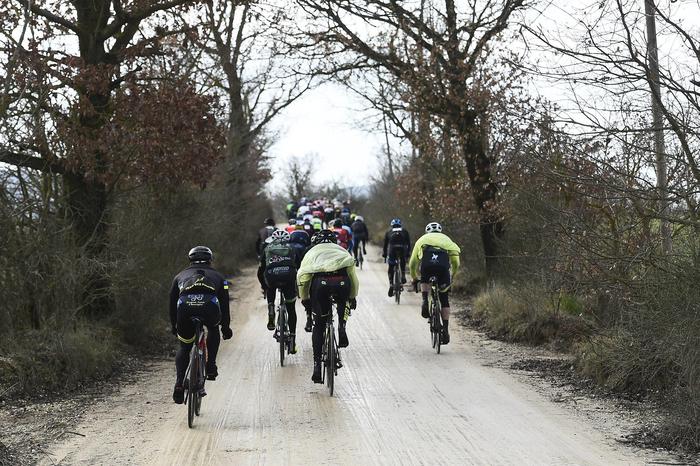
282, 327
435, 310
195, 375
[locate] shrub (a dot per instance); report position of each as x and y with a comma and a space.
527, 315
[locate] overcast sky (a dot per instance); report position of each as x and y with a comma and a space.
327, 121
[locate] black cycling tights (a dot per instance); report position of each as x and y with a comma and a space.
323, 289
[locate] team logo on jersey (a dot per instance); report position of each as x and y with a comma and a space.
434, 258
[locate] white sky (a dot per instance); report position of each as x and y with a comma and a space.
327, 121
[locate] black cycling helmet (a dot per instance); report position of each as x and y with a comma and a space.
338, 223
200, 254
324, 236
269, 222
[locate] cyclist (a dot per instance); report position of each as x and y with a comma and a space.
317, 224
200, 291
327, 272
437, 256
264, 233
397, 246
292, 225
292, 207
341, 233
280, 263
360, 234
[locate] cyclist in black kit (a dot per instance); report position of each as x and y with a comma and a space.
198, 291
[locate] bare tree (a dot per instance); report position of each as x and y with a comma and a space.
297, 175
454, 40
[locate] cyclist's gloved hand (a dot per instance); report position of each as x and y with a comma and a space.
353, 303
226, 332
173, 329
306, 303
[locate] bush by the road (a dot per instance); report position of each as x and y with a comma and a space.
529, 315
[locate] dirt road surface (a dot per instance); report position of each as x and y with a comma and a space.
396, 402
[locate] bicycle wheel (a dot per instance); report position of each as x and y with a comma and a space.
437, 320
331, 349
192, 389
282, 330
202, 377
397, 285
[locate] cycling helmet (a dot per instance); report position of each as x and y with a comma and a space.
433, 227
292, 221
338, 223
359, 218
396, 222
269, 222
280, 235
200, 255
324, 236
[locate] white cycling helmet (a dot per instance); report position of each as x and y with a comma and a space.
359, 218
280, 235
433, 227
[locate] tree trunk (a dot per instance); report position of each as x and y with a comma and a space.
484, 189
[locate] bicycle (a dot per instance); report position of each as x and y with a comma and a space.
282, 333
196, 372
330, 354
435, 311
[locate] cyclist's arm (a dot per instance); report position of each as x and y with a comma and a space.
386, 244
354, 283
304, 283
223, 297
454, 262
172, 307
414, 261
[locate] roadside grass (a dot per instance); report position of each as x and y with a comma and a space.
651, 348
39, 362
525, 314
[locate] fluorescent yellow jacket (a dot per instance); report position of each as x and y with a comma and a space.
436, 240
324, 258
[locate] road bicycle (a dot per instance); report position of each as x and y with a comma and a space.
435, 311
282, 333
330, 354
196, 372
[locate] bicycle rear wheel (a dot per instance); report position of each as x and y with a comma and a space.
282, 331
331, 351
192, 388
437, 322
397, 285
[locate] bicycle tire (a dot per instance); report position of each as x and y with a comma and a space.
202, 378
282, 329
331, 358
397, 285
437, 309
192, 388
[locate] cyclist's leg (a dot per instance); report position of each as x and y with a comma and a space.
402, 258
444, 283
271, 294
290, 299
342, 294
211, 315
185, 333
355, 245
321, 308
261, 277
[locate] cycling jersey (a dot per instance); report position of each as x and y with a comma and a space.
211, 283
434, 240
359, 230
343, 237
326, 258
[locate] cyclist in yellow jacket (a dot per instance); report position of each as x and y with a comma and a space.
327, 272
435, 255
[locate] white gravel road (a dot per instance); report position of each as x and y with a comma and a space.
396, 402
